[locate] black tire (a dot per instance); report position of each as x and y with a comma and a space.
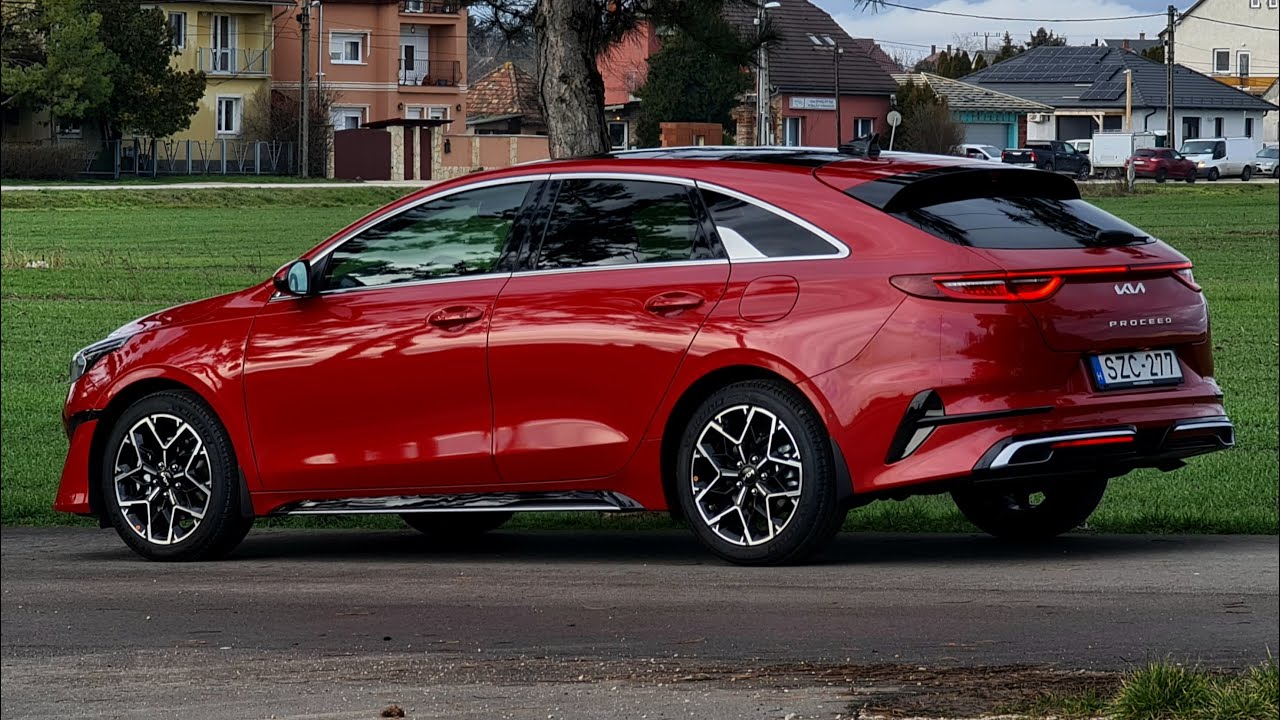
1275, 172
1212, 175
161, 480
762, 414
1247, 174
1085, 172
1111, 173
449, 526
1191, 177
1161, 175
1013, 515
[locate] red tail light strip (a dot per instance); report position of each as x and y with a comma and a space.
1089, 442
1026, 285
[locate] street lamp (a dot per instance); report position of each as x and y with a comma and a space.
826, 43
762, 77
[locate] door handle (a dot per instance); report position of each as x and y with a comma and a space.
455, 316
673, 302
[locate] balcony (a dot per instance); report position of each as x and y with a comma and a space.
430, 7
430, 73
234, 61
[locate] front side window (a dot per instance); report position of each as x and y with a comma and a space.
453, 236
347, 48
601, 222
228, 121
749, 231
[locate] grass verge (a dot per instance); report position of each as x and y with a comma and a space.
77, 264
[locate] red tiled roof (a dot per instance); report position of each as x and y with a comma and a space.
506, 90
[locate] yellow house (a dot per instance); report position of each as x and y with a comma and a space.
231, 41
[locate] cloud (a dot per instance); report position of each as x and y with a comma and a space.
915, 31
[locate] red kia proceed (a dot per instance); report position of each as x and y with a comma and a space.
754, 339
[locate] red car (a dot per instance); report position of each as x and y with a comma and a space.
757, 340
1161, 164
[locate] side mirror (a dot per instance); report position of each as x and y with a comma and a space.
294, 279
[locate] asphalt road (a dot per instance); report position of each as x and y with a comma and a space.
340, 623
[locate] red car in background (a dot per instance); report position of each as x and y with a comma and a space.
756, 339
1161, 164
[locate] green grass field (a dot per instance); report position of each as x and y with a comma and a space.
78, 264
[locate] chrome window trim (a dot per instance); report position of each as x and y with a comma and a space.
624, 175
627, 266
842, 250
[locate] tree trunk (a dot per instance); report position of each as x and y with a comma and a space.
569, 39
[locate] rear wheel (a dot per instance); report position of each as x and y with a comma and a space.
1111, 173
756, 479
1190, 177
1247, 174
1084, 172
455, 525
1161, 175
1213, 174
1031, 514
170, 482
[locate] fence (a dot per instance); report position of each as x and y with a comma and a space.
150, 157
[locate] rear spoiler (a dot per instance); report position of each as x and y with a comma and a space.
950, 183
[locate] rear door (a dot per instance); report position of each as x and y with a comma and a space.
586, 338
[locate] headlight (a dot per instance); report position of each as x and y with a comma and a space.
1200, 164
83, 360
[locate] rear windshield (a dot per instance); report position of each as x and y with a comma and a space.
1031, 223
1146, 153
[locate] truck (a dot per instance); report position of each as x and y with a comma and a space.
1110, 151
1052, 155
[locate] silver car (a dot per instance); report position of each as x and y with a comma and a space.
1267, 162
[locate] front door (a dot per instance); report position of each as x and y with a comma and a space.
584, 343
379, 383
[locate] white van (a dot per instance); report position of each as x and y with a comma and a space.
1221, 157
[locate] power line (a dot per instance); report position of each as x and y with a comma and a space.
1015, 19
1228, 22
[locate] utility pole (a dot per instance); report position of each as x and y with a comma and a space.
304, 87
762, 75
836, 50
986, 36
1171, 139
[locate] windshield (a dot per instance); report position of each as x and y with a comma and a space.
1271, 153
993, 150
1197, 147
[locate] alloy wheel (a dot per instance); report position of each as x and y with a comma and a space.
163, 480
747, 475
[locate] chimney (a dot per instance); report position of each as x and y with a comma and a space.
1126, 43
948, 48
933, 49
1142, 36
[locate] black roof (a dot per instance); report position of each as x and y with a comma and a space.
1093, 77
796, 65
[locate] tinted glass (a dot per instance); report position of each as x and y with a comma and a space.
1016, 222
620, 222
1146, 153
462, 234
1271, 152
743, 226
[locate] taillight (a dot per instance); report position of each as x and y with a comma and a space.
1026, 286
1033, 156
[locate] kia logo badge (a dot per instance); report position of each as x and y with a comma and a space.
1131, 289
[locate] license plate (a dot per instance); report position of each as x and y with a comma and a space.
1136, 369
1139, 162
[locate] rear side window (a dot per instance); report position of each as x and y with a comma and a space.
1032, 223
750, 231
621, 222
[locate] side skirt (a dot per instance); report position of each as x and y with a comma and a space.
567, 501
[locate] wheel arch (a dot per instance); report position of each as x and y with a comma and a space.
701, 389
124, 395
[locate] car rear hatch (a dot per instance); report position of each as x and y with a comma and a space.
1019, 155
1093, 282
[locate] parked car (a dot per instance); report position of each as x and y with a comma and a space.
755, 339
1218, 157
1053, 155
980, 152
1082, 145
1267, 162
1162, 163
1112, 150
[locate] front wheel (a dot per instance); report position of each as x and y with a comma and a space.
1247, 174
1084, 172
1213, 175
455, 525
1161, 175
170, 482
756, 478
1031, 514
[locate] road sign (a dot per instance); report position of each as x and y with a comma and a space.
894, 118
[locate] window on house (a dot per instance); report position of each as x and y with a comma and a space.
1242, 64
1217, 127
792, 131
1222, 61
1273, 4
223, 35
347, 118
178, 23
68, 128
863, 127
1190, 128
618, 135
1248, 127
228, 115
1255, 4
346, 48
437, 112
413, 113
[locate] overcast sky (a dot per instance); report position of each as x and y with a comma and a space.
911, 33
